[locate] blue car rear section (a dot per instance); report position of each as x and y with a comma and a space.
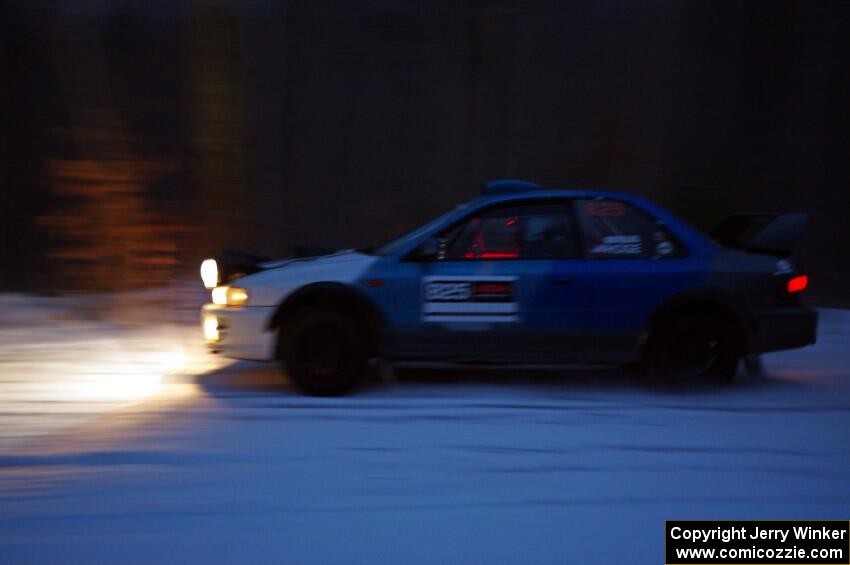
563, 310
791, 327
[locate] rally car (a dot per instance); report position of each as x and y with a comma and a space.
523, 274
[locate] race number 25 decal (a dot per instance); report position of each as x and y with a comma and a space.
469, 299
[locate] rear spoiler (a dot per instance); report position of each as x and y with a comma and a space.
774, 234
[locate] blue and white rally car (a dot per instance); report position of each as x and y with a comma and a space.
523, 274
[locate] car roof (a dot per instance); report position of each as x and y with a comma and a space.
522, 191
544, 193
498, 190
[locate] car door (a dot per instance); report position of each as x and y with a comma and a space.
502, 288
635, 263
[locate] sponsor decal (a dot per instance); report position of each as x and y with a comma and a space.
604, 209
469, 299
493, 291
446, 291
783, 267
473, 291
618, 245
664, 248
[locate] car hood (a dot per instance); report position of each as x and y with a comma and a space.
343, 256
278, 279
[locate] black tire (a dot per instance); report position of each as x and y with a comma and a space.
692, 348
323, 353
754, 366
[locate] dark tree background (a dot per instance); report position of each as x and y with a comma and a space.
139, 136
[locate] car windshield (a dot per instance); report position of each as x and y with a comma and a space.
398, 243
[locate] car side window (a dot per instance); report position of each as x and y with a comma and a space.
529, 231
616, 229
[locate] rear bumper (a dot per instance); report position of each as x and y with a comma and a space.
241, 333
785, 328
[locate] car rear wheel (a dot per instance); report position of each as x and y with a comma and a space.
693, 348
322, 353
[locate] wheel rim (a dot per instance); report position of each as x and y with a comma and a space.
696, 352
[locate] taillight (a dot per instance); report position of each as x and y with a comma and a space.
797, 284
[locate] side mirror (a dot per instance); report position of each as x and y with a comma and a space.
428, 250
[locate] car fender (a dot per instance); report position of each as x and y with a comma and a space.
694, 299
333, 296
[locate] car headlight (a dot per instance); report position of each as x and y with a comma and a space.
230, 296
209, 273
210, 326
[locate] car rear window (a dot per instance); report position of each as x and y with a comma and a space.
617, 229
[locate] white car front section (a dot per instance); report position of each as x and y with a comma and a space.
242, 332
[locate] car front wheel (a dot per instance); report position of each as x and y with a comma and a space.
323, 353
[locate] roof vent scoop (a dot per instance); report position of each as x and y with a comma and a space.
507, 186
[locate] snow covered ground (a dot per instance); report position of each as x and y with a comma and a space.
189, 458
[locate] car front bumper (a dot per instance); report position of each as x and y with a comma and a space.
241, 333
788, 327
